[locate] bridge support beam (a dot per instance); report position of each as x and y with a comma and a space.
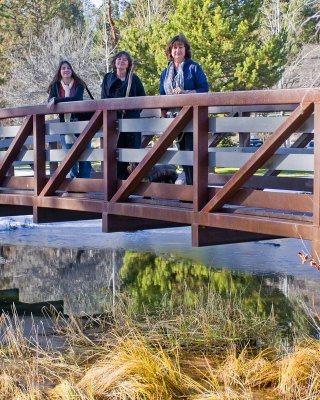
120, 223
12, 210
315, 244
207, 236
43, 215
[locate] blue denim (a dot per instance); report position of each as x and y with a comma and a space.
81, 169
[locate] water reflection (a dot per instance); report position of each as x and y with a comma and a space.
153, 281
86, 282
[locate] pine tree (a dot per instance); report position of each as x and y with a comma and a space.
225, 40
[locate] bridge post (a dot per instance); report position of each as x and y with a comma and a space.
200, 169
315, 246
110, 139
39, 153
39, 157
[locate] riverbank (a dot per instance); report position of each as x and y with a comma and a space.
213, 347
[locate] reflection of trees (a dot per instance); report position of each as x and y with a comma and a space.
155, 281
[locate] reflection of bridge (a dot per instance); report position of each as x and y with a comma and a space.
220, 208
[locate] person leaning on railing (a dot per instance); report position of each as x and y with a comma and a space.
122, 82
66, 86
182, 76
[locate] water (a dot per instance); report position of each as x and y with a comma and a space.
82, 269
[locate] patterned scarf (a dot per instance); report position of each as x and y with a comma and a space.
172, 81
67, 90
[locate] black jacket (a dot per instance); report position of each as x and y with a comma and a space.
108, 91
55, 91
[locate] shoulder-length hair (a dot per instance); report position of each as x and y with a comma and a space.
57, 77
178, 39
119, 54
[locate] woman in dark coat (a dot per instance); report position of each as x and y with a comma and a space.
66, 86
115, 85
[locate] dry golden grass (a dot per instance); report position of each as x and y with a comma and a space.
196, 354
299, 372
136, 369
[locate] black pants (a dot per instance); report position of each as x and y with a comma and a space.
185, 142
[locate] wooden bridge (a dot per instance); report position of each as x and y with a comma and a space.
273, 190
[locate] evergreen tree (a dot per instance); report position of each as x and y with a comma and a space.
225, 40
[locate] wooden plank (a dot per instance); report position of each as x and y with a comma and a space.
17, 199
77, 204
154, 154
273, 200
245, 198
161, 202
149, 211
18, 182
83, 185
268, 213
265, 108
164, 191
261, 156
59, 155
268, 182
268, 226
253, 124
216, 125
232, 157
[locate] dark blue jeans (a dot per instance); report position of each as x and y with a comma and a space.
81, 169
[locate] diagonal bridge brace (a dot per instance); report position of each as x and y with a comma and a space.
290, 125
73, 154
15, 146
154, 154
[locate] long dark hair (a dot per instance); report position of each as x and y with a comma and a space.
180, 39
57, 77
119, 54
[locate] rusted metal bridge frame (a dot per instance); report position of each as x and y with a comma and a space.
219, 210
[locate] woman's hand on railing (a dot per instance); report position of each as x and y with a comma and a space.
178, 90
51, 104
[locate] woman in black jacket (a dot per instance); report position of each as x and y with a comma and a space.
115, 85
66, 86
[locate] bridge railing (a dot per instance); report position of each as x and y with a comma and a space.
244, 182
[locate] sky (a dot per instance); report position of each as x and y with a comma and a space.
97, 3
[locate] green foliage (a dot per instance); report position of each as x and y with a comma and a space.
227, 142
225, 40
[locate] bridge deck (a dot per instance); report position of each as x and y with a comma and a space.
270, 191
